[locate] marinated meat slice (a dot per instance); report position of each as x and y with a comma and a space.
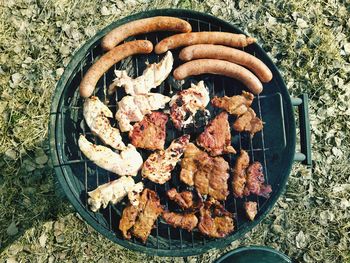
133, 108
185, 104
248, 122
216, 138
159, 165
208, 174
185, 199
186, 221
130, 214
139, 220
217, 223
239, 174
251, 209
255, 181
150, 132
151, 77
235, 105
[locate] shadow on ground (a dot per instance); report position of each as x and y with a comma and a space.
29, 194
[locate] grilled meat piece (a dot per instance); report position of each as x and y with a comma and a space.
251, 209
217, 223
159, 165
186, 221
248, 122
216, 138
185, 199
208, 174
185, 104
255, 181
235, 105
128, 162
96, 115
139, 220
151, 77
133, 108
239, 174
150, 132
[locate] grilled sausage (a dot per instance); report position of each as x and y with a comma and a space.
229, 54
95, 72
187, 39
146, 25
219, 67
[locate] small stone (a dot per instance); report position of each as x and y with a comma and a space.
104, 11
16, 78
42, 239
301, 23
347, 48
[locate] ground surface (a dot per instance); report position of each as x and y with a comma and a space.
308, 40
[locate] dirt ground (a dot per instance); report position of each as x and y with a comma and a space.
308, 40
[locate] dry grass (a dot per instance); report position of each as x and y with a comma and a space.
307, 40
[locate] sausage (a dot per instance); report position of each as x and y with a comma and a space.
219, 67
229, 54
95, 72
146, 25
188, 39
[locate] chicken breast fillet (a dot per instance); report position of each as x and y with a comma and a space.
185, 104
96, 115
113, 192
128, 162
151, 77
133, 108
159, 165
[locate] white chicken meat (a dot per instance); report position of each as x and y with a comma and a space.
151, 77
128, 162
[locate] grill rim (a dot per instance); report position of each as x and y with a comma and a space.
67, 184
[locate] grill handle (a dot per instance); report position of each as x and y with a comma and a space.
302, 102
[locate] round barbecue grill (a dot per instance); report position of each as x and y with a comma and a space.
274, 146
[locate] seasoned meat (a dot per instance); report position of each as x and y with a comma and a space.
216, 138
239, 174
133, 108
159, 165
150, 132
113, 192
186, 221
255, 181
139, 220
151, 77
235, 105
127, 162
96, 115
185, 199
185, 104
208, 174
248, 122
217, 223
251, 209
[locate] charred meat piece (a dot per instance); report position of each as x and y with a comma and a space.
208, 174
186, 221
251, 209
215, 221
239, 174
185, 104
139, 221
185, 199
150, 132
159, 165
235, 105
216, 138
255, 181
248, 122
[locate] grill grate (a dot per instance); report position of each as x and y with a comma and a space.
87, 176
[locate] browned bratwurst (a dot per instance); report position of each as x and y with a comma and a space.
193, 38
229, 54
146, 25
95, 72
219, 67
